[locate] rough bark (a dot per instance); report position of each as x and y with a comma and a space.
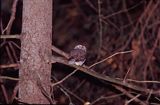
35, 70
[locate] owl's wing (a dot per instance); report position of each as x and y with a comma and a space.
71, 61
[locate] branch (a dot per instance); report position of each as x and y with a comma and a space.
10, 36
135, 98
68, 91
86, 70
100, 25
66, 77
9, 78
15, 65
60, 52
9, 25
124, 52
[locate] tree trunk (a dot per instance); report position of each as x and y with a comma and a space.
35, 70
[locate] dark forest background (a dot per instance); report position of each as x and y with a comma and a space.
104, 27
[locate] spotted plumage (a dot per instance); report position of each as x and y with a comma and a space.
78, 55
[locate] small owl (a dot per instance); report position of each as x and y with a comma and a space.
78, 55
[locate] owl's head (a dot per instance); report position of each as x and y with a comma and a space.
81, 47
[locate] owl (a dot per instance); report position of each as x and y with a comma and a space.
77, 55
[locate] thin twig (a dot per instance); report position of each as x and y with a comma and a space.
60, 52
100, 25
66, 77
9, 78
4, 92
70, 101
107, 97
68, 91
43, 89
9, 25
15, 65
16, 45
146, 81
124, 52
124, 10
158, 99
14, 93
133, 99
126, 74
17, 36
149, 96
